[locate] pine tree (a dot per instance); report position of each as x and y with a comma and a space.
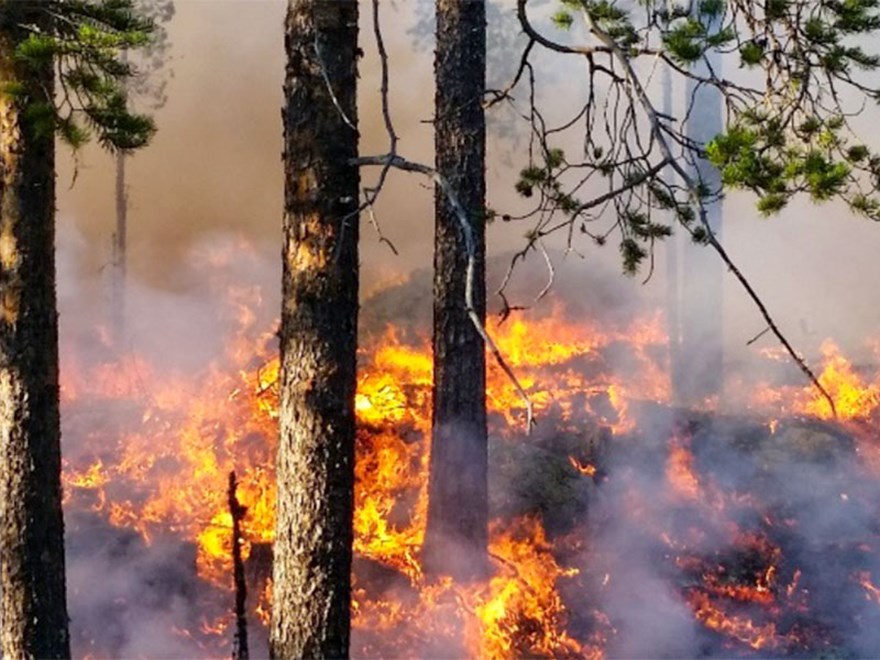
149, 87
75, 44
785, 130
457, 527
313, 539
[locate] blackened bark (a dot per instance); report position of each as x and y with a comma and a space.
456, 535
34, 610
312, 591
240, 649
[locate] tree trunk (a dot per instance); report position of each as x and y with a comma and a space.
313, 542
34, 610
701, 370
456, 535
120, 248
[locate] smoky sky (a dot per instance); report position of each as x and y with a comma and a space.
215, 168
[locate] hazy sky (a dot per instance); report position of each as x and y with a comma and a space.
215, 167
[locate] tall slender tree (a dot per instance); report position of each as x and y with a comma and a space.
76, 43
456, 534
313, 541
34, 610
149, 86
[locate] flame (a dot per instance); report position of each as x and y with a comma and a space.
738, 627
586, 469
680, 472
853, 397
523, 593
856, 396
872, 592
159, 463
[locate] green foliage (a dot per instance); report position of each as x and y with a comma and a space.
614, 21
751, 53
684, 42
754, 154
562, 19
786, 130
632, 254
529, 179
711, 8
700, 236
772, 203
87, 47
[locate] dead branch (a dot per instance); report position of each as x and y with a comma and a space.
374, 221
393, 160
696, 197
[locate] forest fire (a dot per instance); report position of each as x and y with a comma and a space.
157, 464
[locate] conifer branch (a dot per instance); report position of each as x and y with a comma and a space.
697, 198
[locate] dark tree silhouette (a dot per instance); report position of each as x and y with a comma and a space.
457, 527
76, 45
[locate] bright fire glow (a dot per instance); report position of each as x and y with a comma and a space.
160, 465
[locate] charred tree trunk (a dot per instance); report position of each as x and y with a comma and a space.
312, 591
34, 609
120, 249
240, 649
456, 535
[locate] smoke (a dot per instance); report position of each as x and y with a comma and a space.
212, 182
133, 585
126, 598
788, 515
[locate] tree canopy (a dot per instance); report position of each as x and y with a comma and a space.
86, 45
796, 73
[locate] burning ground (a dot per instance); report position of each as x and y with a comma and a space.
621, 527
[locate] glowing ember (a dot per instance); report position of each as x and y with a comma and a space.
680, 472
587, 469
738, 627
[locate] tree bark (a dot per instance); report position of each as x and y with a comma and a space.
34, 610
120, 257
456, 534
313, 542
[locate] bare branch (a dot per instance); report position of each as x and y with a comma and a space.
369, 195
696, 197
393, 160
